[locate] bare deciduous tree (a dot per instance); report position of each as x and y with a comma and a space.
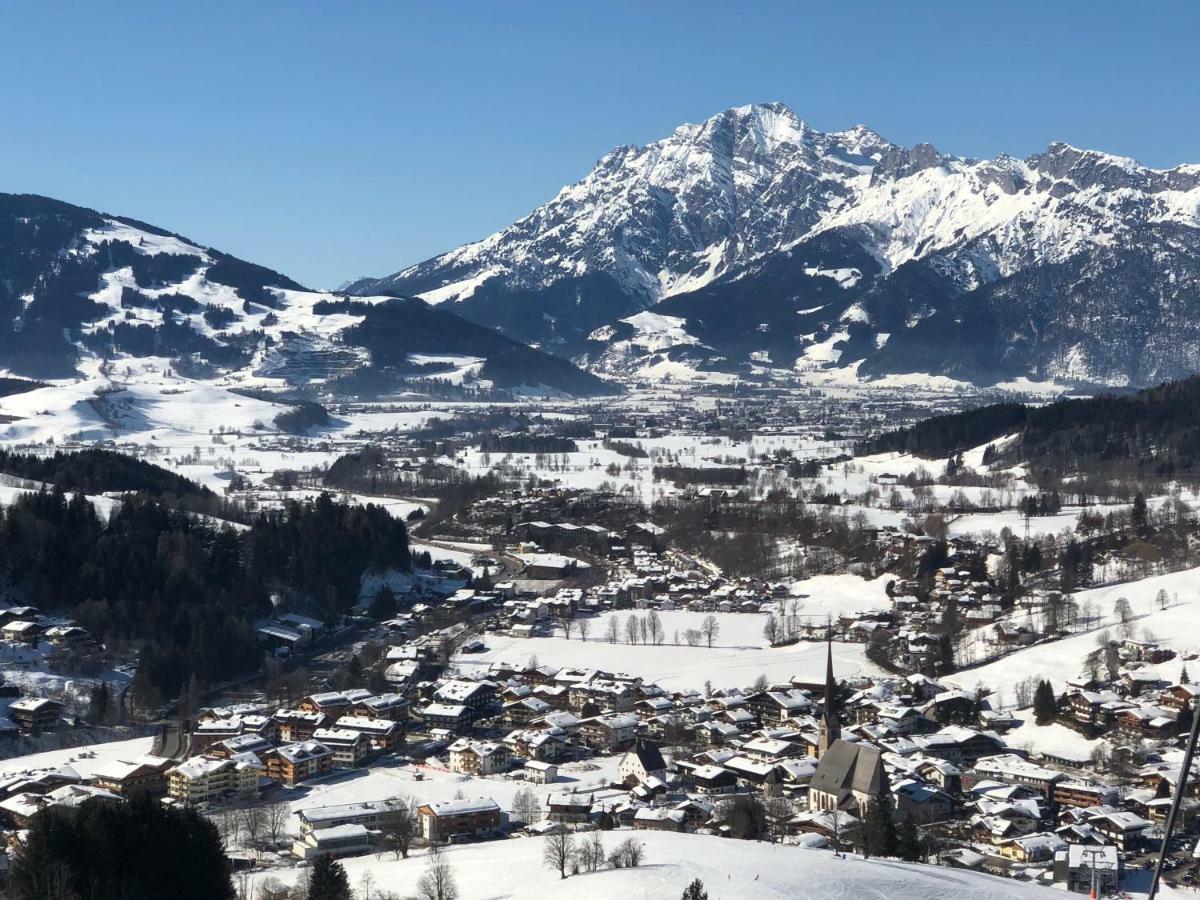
526, 806
400, 826
710, 628
253, 820
590, 855
772, 630
627, 855
557, 853
655, 627
437, 881
275, 819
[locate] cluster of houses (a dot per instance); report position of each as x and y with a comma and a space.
236, 751
939, 756
32, 638
26, 626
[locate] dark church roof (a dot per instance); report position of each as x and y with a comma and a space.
852, 767
650, 758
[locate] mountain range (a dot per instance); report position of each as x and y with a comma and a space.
88, 294
755, 245
750, 246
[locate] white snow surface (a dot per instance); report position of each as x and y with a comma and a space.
739, 653
730, 870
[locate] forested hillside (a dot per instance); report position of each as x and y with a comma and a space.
185, 588
1155, 432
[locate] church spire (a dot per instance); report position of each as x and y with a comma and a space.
830, 729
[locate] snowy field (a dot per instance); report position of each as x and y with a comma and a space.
730, 870
738, 656
1053, 739
681, 667
739, 653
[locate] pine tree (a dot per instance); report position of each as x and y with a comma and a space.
908, 843
1045, 707
879, 835
328, 880
1138, 516
383, 605
695, 891
1183, 722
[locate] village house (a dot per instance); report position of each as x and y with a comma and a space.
659, 818
202, 780
452, 819
454, 718
332, 704
640, 764
35, 714
1082, 795
145, 776
21, 808
774, 707
336, 841
476, 696
1032, 848
538, 772
289, 725
606, 734
22, 632
569, 809
469, 757
298, 762
922, 803
1012, 769
713, 780
349, 748
372, 814
541, 745
383, 735
393, 707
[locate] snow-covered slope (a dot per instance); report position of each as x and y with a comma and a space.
730, 870
704, 212
84, 294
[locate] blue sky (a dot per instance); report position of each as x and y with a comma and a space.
330, 140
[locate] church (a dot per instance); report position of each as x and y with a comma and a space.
849, 775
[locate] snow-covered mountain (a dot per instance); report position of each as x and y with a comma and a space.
912, 254
85, 294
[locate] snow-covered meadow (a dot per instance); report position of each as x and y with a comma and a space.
730, 870
740, 652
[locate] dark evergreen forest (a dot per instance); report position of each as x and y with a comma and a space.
187, 588
1153, 433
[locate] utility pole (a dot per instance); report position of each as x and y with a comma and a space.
1094, 893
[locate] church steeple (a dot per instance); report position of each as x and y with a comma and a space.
830, 728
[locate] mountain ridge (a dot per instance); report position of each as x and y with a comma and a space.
86, 293
718, 202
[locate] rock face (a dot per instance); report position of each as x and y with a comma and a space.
781, 248
85, 293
